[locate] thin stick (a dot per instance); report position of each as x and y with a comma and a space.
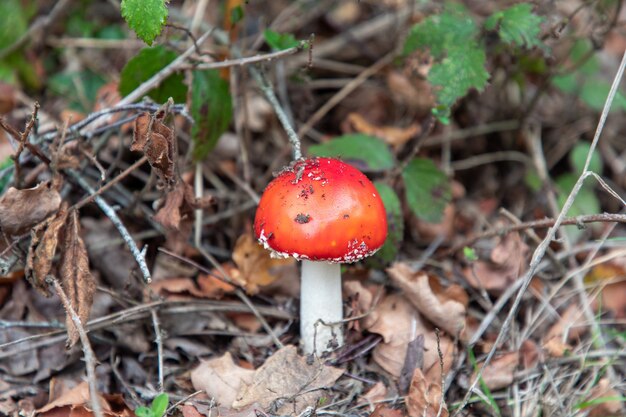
111, 183
541, 249
282, 116
158, 339
110, 213
90, 361
541, 224
240, 62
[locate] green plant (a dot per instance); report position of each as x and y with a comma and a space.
157, 408
145, 17
457, 45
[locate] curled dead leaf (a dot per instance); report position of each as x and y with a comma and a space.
179, 205
221, 378
152, 137
43, 246
425, 399
21, 210
77, 402
442, 310
77, 280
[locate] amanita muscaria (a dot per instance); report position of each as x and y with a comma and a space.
323, 212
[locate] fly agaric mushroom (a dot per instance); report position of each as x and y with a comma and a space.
323, 212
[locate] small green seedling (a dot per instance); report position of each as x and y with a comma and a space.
157, 408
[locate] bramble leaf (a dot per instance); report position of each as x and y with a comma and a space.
280, 41
144, 65
427, 189
461, 70
145, 17
439, 32
517, 25
395, 225
369, 150
211, 108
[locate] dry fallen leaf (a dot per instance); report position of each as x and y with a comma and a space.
499, 372
179, 204
43, 246
397, 320
507, 263
414, 92
77, 403
382, 410
570, 326
424, 399
442, 311
256, 267
611, 277
20, 210
152, 137
286, 376
394, 136
76, 278
221, 378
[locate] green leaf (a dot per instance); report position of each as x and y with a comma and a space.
439, 32
236, 15
594, 93
395, 225
578, 156
144, 412
517, 25
586, 202
370, 150
145, 17
280, 41
12, 22
427, 189
470, 254
567, 83
211, 108
79, 88
159, 404
461, 70
143, 66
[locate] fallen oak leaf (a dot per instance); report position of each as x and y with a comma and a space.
441, 310
221, 378
76, 279
286, 383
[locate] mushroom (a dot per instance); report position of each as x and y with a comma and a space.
323, 212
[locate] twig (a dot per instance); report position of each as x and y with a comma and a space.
541, 249
90, 360
240, 62
294, 138
443, 378
110, 213
110, 184
541, 224
38, 27
22, 138
158, 339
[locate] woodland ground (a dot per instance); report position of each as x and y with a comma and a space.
477, 305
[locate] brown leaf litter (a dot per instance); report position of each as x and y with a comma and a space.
424, 398
21, 210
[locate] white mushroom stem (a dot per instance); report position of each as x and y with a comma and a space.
320, 298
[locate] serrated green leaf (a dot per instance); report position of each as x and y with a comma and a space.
144, 65
369, 150
427, 189
159, 404
280, 41
461, 70
143, 412
211, 108
395, 226
517, 25
145, 17
439, 32
578, 156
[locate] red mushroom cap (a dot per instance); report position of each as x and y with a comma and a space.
321, 209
